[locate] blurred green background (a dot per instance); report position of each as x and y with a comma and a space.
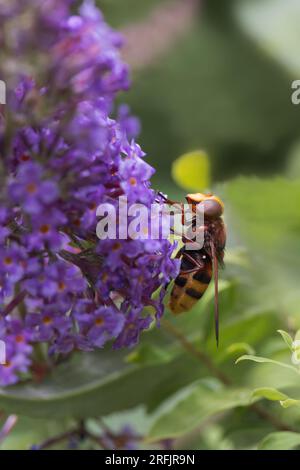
223, 85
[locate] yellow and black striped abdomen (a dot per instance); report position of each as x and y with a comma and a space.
189, 288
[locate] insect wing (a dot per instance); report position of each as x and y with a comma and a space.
216, 279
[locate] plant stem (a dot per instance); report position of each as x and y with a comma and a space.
216, 372
266, 415
14, 303
190, 348
79, 431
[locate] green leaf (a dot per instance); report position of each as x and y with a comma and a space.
250, 328
234, 350
149, 354
238, 347
297, 335
265, 360
99, 383
280, 441
269, 393
289, 402
28, 432
275, 395
191, 171
196, 407
287, 338
271, 231
275, 26
259, 217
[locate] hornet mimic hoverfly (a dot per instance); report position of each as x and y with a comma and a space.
198, 265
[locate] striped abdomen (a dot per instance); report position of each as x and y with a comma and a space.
189, 288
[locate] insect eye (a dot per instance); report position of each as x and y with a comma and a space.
212, 208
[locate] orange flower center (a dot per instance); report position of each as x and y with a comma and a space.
132, 181
31, 188
77, 222
19, 339
116, 246
45, 229
61, 286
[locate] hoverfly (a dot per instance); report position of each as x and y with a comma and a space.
198, 265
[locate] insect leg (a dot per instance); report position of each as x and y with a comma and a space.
190, 271
167, 200
192, 260
180, 235
179, 253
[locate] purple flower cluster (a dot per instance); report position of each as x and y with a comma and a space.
62, 154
